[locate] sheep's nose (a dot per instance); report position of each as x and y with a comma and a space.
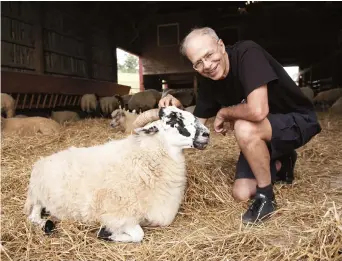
205, 134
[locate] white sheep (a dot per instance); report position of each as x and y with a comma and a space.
308, 92
336, 108
329, 96
109, 104
123, 184
126, 99
65, 116
186, 96
122, 120
29, 126
20, 116
7, 105
88, 103
190, 108
145, 100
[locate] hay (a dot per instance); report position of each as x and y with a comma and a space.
307, 225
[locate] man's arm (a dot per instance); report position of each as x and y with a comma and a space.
256, 109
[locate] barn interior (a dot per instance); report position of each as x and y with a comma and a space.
68, 48
55, 53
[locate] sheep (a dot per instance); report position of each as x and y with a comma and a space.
185, 96
89, 103
336, 108
122, 120
123, 184
125, 100
109, 104
145, 100
308, 92
190, 108
7, 105
65, 116
29, 126
20, 116
327, 98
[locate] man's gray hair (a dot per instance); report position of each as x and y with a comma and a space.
195, 32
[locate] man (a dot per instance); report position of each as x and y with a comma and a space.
245, 86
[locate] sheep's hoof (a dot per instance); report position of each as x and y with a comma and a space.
104, 234
49, 227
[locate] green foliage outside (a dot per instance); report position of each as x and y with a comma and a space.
130, 65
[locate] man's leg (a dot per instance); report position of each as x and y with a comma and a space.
245, 183
283, 135
252, 138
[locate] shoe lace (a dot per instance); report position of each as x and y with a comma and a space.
255, 206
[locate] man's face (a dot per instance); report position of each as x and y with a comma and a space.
207, 56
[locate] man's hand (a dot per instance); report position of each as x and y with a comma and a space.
219, 123
169, 100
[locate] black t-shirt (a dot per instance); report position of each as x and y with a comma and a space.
250, 67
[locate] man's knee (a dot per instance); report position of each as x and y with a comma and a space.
247, 131
244, 128
244, 190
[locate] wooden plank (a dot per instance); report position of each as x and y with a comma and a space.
17, 56
39, 63
17, 82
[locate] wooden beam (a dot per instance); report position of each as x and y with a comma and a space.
38, 40
18, 82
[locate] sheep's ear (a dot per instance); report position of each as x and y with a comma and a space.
147, 130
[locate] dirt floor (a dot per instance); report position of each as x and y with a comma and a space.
306, 226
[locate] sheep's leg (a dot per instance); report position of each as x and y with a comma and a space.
162, 215
130, 234
36, 218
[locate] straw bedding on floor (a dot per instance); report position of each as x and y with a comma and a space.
306, 226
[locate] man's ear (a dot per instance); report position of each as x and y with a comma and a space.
147, 130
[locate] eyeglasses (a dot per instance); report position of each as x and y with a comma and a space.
199, 65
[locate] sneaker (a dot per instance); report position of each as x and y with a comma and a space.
260, 209
286, 172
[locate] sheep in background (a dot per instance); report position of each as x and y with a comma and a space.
123, 184
190, 108
29, 126
109, 104
65, 116
126, 99
122, 120
308, 92
185, 96
336, 108
21, 116
145, 100
89, 103
327, 98
7, 105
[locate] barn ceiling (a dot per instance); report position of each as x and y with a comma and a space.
290, 30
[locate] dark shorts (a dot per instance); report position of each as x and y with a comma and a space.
289, 132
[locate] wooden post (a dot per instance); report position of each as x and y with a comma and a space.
141, 72
88, 52
38, 40
112, 43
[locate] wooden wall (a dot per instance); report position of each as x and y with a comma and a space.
47, 38
167, 59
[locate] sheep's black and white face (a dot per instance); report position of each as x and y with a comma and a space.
183, 129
